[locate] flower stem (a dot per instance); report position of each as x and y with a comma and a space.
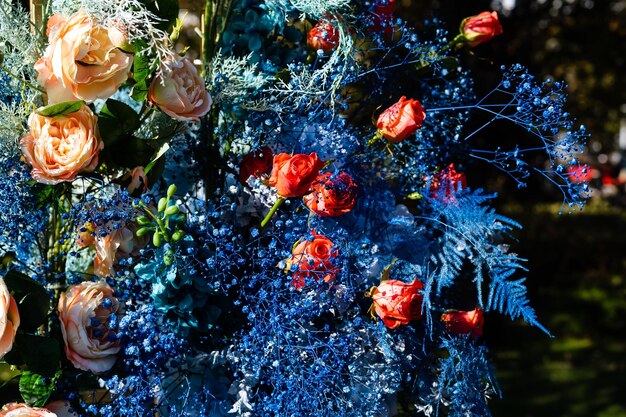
272, 211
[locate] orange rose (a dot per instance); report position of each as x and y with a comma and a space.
464, 322
313, 259
480, 28
401, 120
180, 92
81, 61
60, 147
22, 410
257, 163
332, 195
397, 303
446, 183
292, 175
323, 37
9, 319
86, 312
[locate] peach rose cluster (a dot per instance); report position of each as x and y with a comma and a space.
81, 61
58, 148
180, 92
22, 410
480, 28
88, 315
313, 258
9, 319
397, 303
401, 120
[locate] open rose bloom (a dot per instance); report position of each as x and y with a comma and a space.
9, 319
61, 147
22, 410
480, 28
401, 120
88, 315
397, 303
81, 61
180, 92
332, 195
292, 175
256, 163
313, 258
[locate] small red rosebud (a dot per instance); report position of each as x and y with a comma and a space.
579, 173
480, 28
401, 120
332, 195
464, 322
447, 182
323, 36
256, 164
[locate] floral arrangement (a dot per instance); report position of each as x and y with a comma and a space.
281, 227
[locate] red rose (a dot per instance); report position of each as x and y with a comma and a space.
332, 195
401, 120
464, 322
579, 173
447, 182
313, 259
382, 20
480, 28
397, 303
292, 175
257, 163
324, 36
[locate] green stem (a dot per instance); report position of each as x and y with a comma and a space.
272, 211
20, 79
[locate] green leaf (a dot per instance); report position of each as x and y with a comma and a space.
36, 389
60, 109
41, 354
141, 73
115, 120
32, 299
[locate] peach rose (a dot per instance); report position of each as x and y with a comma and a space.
22, 410
313, 259
137, 181
81, 61
9, 319
464, 322
332, 195
323, 37
292, 175
397, 303
60, 147
401, 120
120, 243
480, 28
85, 313
180, 92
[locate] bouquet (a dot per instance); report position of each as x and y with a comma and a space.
277, 224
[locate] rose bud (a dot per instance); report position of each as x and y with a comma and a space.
9, 319
464, 322
22, 410
323, 37
446, 183
313, 258
332, 195
401, 120
256, 164
180, 92
81, 61
61, 147
480, 28
88, 315
292, 175
396, 302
